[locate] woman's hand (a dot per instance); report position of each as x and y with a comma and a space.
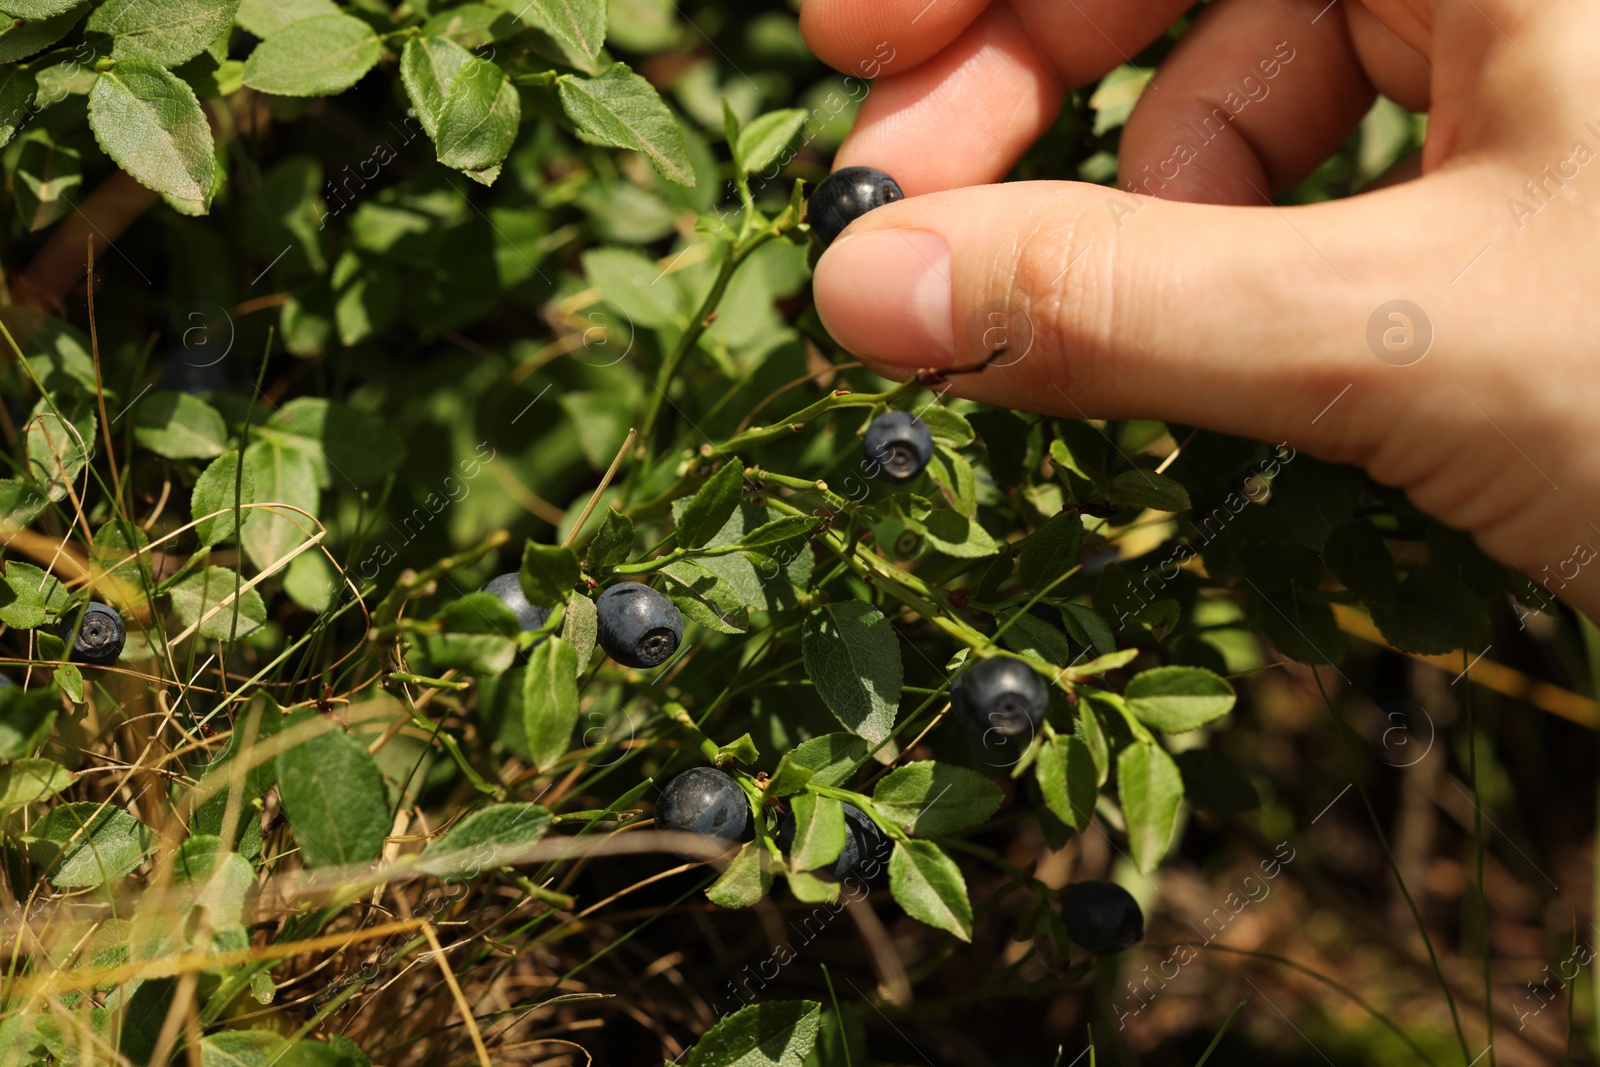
1443, 333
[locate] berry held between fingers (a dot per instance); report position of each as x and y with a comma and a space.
863, 841
1001, 701
704, 801
1102, 917
846, 195
638, 627
100, 636
530, 616
900, 444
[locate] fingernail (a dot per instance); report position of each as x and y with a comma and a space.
885, 296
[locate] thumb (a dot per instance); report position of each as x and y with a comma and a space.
1247, 320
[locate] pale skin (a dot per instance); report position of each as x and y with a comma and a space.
1206, 306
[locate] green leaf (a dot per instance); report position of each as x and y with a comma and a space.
46, 174
281, 475
853, 657
580, 25
1175, 699
214, 491
1150, 787
928, 885
1067, 780
318, 56
29, 596
956, 535
778, 1033
242, 1048
579, 627
33, 10
166, 32
472, 25
69, 680
1085, 625
1147, 489
819, 832
712, 506
765, 138
831, 758
789, 778
82, 845
1028, 635
1051, 551
548, 573
928, 799
550, 700
810, 889
28, 781
17, 87
611, 544
311, 581
621, 109
953, 474
149, 122
479, 118
58, 450
347, 447
25, 719
781, 531
198, 597
21, 38
947, 426
366, 295
634, 285
266, 17
705, 597
57, 351
206, 874
428, 68
1211, 781
743, 748
490, 837
476, 635
1356, 554
747, 879
179, 426
333, 795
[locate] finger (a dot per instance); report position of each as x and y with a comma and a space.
1244, 320
1393, 66
962, 118
1255, 97
868, 37
965, 114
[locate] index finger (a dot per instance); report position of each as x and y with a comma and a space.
883, 36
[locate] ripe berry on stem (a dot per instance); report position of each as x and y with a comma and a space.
846, 195
704, 801
100, 635
530, 616
636, 625
900, 444
862, 841
1102, 917
1001, 701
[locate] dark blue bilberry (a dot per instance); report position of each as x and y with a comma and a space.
704, 801
1001, 701
100, 635
530, 616
1102, 917
846, 195
638, 627
900, 444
